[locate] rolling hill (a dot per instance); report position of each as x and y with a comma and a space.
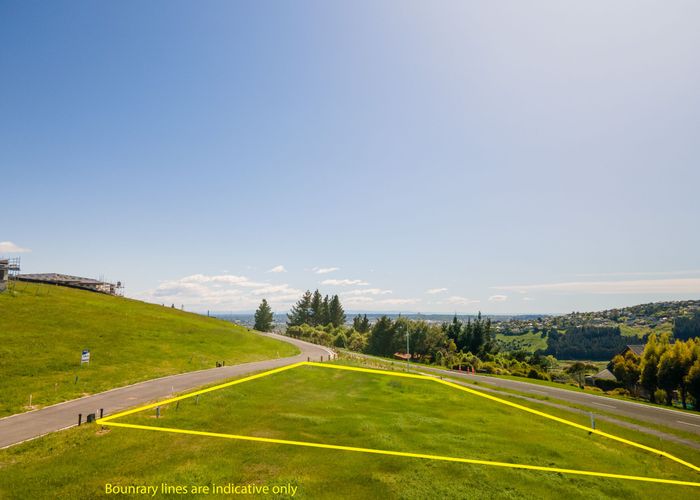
43, 330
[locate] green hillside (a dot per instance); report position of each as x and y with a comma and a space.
319, 405
43, 330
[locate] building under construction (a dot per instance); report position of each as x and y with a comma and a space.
74, 282
8, 271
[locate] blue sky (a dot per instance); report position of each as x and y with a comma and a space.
505, 156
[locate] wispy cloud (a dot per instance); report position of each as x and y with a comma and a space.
232, 292
325, 270
366, 291
433, 291
277, 269
672, 286
639, 273
345, 282
364, 301
10, 247
498, 298
457, 300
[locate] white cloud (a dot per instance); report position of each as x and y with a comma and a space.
375, 302
345, 282
9, 247
455, 299
366, 291
528, 299
498, 298
223, 292
433, 291
325, 270
397, 302
277, 269
640, 273
676, 286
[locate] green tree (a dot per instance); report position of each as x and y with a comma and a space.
692, 380
381, 336
579, 370
325, 311
626, 370
649, 364
263, 317
301, 312
335, 312
360, 323
357, 342
674, 365
316, 317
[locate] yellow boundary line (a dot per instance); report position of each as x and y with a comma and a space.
108, 421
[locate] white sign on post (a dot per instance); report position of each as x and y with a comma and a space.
85, 358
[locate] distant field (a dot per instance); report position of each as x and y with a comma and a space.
635, 331
527, 341
43, 330
347, 408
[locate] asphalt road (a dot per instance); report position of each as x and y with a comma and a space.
685, 421
24, 426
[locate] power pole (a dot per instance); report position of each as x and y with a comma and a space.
408, 352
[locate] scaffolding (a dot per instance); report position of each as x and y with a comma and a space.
9, 269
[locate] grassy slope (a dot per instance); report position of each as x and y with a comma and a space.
44, 328
527, 341
320, 405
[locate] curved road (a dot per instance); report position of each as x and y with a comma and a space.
24, 426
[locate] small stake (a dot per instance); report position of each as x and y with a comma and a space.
76, 380
157, 411
592, 420
30, 400
177, 406
102, 412
80, 418
196, 400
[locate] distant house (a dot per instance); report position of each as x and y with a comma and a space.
73, 282
638, 349
401, 355
606, 374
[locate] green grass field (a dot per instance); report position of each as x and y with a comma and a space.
43, 330
529, 341
347, 408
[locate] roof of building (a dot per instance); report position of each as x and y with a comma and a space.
638, 349
61, 278
604, 375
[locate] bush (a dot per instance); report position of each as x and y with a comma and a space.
660, 395
536, 374
607, 385
619, 391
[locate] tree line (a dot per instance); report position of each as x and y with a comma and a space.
586, 342
663, 369
313, 309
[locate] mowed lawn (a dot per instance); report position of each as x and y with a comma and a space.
346, 408
43, 330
